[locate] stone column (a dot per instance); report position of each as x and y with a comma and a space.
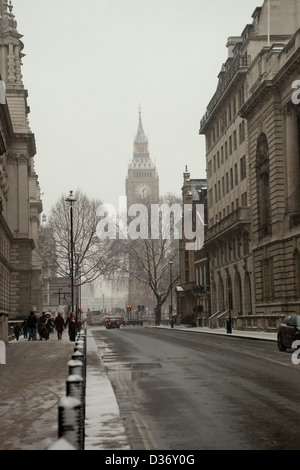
292, 161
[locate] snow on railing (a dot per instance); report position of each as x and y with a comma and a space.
71, 408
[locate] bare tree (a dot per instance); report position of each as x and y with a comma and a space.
147, 259
90, 254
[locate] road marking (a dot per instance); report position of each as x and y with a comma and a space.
140, 422
147, 447
154, 445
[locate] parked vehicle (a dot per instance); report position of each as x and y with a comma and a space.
289, 331
112, 323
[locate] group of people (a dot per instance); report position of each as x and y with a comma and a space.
44, 325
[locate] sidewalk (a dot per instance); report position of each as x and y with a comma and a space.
33, 381
263, 335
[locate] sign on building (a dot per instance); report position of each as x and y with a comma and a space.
60, 291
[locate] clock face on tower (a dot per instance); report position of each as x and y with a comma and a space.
142, 190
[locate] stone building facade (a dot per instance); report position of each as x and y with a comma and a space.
192, 292
20, 264
248, 172
273, 119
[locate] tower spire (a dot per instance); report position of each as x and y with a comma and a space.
140, 136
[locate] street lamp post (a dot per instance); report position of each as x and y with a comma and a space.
71, 200
171, 281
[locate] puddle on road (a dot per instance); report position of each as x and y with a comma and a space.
124, 371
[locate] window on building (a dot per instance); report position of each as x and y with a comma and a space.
209, 169
230, 145
187, 266
241, 96
242, 132
236, 179
268, 279
245, 243
263, 185
244, 199
234, 106
243, 168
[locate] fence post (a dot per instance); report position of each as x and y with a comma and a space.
75, 389
75, 367
69, 410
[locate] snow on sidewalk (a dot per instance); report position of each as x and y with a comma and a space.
104, 429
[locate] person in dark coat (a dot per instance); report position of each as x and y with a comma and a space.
59, 325
32, 322
72, 326
17, 331
48, 325
25, 328
41, 326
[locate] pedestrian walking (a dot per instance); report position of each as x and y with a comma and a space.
48, 325
17, 331
59, 324
41, 326
71, 320
32, 323
25, 328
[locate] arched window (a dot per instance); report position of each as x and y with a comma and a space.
263, 185
214, 308
238, 294
221, 294
248, 295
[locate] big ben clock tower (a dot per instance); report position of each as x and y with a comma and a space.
142, 187
142, 180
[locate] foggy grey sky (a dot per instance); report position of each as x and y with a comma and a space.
89, 65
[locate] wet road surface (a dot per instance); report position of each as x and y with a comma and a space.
183, 391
